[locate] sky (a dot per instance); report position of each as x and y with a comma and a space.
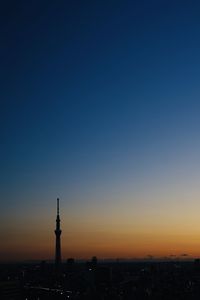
100, 105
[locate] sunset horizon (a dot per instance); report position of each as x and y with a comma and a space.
144, 243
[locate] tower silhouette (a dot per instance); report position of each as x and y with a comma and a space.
58, 242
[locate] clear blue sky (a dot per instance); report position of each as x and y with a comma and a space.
100, 104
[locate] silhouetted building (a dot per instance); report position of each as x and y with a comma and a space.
103, 275
58, 241
10, 290
94, 261
92, 265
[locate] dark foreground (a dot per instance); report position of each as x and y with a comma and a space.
92, 280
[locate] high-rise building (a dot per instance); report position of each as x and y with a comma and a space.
58, 241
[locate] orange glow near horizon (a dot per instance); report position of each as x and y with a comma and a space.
103, 244
159, 230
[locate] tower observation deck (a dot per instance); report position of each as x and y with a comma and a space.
58, 240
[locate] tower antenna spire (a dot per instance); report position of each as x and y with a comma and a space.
57, 206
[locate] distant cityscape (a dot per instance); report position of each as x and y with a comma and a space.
99, 279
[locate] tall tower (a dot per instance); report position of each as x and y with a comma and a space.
58, 234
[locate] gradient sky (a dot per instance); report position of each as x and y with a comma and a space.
100, 106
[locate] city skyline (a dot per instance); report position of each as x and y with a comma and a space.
100, 107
